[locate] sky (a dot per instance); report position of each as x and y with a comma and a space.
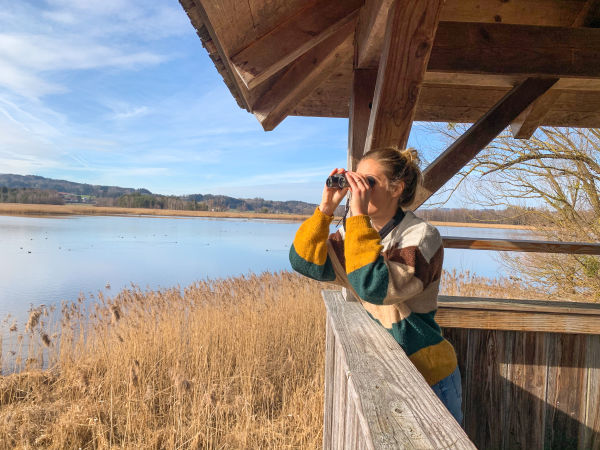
121, 92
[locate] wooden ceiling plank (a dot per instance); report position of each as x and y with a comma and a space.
410, 30
302, 77
589, 14
529, 120
363, 87
370, 32
275, 50
487, 48
480, 134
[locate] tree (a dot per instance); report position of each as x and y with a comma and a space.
558, 172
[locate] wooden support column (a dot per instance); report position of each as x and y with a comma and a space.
370, 32
409, 35
275, 50
479, 135
302, 77
363, 87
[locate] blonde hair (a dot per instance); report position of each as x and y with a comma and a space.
399, 166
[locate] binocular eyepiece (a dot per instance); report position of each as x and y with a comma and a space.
339, 181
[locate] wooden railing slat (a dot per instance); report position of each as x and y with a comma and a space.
394, 406
576, 248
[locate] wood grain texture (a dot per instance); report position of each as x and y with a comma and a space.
529, 120
302, 77
503, 304
410, 30
370, 32
466, 147
576, 248
567, 384
490, 49
291, 39
591, 430
363, 87
394, 402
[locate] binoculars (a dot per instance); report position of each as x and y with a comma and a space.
339, 181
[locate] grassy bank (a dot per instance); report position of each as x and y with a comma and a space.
234, 363
19, 209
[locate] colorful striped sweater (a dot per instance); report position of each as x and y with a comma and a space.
397, 279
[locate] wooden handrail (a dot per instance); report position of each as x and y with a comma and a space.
518, 315
575, 248
374, 396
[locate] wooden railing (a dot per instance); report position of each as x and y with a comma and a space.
575, 248
374, 397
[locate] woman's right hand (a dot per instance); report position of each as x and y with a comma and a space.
332, 197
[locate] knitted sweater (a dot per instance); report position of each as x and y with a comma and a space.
396, 279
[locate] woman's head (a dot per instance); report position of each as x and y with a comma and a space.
397, 172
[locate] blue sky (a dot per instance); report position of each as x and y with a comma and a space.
121, 92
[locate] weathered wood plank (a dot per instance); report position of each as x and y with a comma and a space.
529, 120
329, 385
410, 30
370, 32
482, 421
466, 147
490, 49
591, 430
302, 77
363, 87
567, 384
394, 399
518, 305
519, 321
288, 41
574, 248
524, 371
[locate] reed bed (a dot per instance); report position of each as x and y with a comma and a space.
235, 363
231, 363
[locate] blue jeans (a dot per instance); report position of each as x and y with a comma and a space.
449, 391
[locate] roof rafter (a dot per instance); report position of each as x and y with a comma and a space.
410, 30
481, 133
275, 50
302, 77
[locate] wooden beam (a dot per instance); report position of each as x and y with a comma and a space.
363, 87
370, 32
302, 77
529, 120
479, 135
589, 14
491, 49
573, 248
410, 30
275, 50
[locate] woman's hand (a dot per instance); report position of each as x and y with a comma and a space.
361, 193
332, 197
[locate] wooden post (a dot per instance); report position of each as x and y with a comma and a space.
410, 30
363, 87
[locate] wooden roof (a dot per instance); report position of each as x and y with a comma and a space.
276, 55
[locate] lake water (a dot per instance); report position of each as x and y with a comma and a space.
46, 260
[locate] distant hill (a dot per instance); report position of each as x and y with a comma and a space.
137, 198
35, 182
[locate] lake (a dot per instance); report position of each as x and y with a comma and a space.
46, 260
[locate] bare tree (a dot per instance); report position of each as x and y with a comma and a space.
558, 172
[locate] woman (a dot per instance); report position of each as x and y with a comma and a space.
389, 258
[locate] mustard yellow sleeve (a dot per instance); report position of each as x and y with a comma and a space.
308, 253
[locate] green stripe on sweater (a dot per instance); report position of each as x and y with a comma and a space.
371, 281
416, 331
316, 272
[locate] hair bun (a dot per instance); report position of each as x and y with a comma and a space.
411, 156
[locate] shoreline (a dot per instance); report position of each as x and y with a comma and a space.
20, 209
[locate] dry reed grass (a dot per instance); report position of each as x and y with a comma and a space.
234, 363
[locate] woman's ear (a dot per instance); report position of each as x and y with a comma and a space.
397, 189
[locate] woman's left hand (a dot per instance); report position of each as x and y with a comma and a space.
361, 193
